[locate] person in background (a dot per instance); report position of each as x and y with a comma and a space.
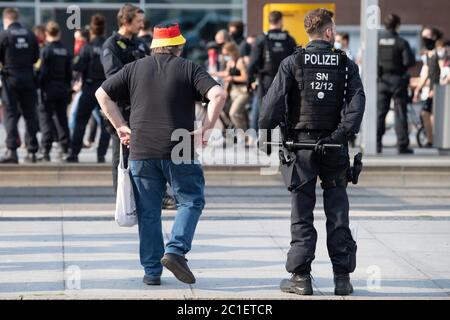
221, 38
235, 78
395, 57
429, 77
39, 32
145, 34
19, 51
342, 42
267, 52
55, 77
88, 64
81, 38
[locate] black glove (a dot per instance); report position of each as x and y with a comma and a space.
336, 137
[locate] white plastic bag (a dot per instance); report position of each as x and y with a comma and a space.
126, 215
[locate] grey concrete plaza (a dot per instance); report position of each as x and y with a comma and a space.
62, 243
58, 239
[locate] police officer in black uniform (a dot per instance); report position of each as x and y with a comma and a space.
88, 63
267, 53
317, 97
121, 48
55, 76
19, 50
394, 58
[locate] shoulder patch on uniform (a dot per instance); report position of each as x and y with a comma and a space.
121, 44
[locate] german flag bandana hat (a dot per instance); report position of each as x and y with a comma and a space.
167, 35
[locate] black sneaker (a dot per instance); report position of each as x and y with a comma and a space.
342, 285
30, 158
379, 147
152, 281
71, 159
299, 283
178, 266
10, 156
101, 159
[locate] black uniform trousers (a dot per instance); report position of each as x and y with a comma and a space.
86, 104
19, 97
53, 115
392, 86
332, 168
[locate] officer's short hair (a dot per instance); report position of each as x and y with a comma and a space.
392, 22
127, 13
11, 14
147, 24
275, 17
52, 28
317, 20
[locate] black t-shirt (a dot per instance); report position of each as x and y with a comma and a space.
162, 90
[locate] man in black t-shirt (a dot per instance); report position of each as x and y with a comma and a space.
162, 90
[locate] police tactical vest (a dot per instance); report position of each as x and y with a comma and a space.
322, 80
58, 57
276, 49
389, 58
19, 53
95, 70
131, 50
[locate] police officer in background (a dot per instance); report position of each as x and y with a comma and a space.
88, 63
145, 34
317, 97
267, 53
19, 50
55, 76
121, 48
394, 58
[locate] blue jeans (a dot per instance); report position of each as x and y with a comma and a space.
149, 179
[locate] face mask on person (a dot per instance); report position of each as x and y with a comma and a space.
428, 43
441, 53
338, 45
227, 58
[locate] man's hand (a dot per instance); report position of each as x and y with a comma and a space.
124, 134
201, 136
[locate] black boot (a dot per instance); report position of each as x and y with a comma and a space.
10, 156
379, 147
405, 150
342, 285
30, 158
71, 158
298, 283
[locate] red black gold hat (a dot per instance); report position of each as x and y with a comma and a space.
167, 36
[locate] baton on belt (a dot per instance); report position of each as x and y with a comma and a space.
304, 145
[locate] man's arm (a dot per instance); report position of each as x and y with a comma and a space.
408, 56
273, 105
217, 97
356, 101
112, 112
110, 59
